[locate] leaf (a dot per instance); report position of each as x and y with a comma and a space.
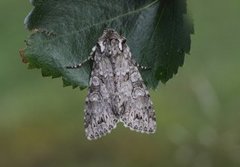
64, 32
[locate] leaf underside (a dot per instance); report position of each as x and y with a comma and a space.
64, 32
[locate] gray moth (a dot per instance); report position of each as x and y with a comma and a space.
117, 92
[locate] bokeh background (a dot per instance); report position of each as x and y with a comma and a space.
198, 111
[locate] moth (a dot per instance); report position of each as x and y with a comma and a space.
117, 92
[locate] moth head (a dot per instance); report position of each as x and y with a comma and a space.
110, 38
110, 34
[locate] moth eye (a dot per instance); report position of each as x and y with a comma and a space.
101, 45
98, 45
124, 41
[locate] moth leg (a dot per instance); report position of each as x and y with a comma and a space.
84, 61
143, 67
140, 66
80, 64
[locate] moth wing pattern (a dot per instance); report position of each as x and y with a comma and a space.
116, 90
137, 109
99, 117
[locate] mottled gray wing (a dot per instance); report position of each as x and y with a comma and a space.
137, 111
99, 117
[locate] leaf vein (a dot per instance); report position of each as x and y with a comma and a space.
102, 22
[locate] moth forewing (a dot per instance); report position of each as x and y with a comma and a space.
116, 90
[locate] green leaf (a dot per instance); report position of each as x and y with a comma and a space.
64, 32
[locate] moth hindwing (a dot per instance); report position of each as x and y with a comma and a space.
117, 92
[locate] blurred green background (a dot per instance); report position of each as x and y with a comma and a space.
198, 111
